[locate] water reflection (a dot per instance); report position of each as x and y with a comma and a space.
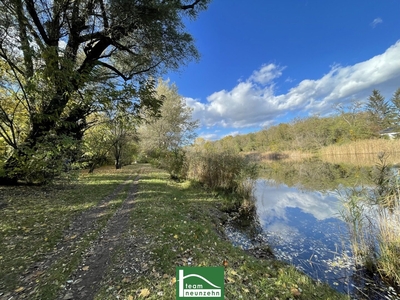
298, 209
273, 199
304, 229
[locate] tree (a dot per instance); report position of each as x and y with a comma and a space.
163, 137
396, 102
59, 52
380, 111
113, 136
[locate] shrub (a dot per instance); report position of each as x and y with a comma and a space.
222, 170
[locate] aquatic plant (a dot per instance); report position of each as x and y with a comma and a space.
373, 218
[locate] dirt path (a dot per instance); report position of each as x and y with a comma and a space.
85, 280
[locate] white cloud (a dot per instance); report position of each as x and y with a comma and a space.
375, 22
254, 102
209, 136
233, 133
272, 202
266, 74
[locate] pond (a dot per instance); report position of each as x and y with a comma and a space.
303, 226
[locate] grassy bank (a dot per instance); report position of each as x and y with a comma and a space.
32, 222
172, 224
181, 226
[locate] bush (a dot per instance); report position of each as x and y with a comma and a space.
222, 170
50, 158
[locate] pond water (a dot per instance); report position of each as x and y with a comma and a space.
303, 227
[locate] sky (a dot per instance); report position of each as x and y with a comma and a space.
265, 62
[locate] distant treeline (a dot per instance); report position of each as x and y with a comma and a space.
354, 122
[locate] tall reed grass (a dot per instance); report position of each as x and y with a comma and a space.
362, 152
373, 218
264, 157
223, 170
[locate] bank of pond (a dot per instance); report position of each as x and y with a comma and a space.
330, 221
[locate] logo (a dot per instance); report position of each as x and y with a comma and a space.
200, 282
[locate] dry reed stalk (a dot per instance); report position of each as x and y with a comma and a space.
363, 152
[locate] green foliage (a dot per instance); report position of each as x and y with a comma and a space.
162, 138
51, 158
62, 62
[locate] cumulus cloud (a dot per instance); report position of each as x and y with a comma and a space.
375, 22
254, 102
273, 202
266, 74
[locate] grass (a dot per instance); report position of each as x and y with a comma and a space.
33, 220
177, 224
181, 226
362, 152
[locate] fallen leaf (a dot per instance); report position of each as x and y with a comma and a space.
175, 236
130, 297
18, 290
295, 292
233, 272
85, 268
245, 290
173, 280
231, 279
126, 279
225, 263
144, 293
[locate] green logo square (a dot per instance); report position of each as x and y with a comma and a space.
200, 283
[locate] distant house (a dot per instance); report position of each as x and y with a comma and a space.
390, 132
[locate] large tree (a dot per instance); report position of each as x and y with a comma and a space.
59, 53
174, 128
164, 137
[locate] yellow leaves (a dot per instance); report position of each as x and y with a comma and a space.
232, 272
144, 293
85, 268
130, 297
173, 281
175, 236
230, 279
19, 290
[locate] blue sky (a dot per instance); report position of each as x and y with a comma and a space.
266, 62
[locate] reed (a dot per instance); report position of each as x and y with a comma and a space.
373, 219
362, 152
222, 170
271, 156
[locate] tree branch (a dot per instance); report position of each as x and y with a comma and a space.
190, 6
32, 11
112, 68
